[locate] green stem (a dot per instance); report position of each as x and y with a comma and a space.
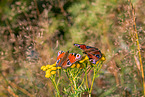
86, 78
59, 76
88, 70
74, 84
55, 85
81, 83
99, 66
98, 69
71, 77
92, 82
67, 73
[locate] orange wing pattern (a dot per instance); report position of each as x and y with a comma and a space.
66, 59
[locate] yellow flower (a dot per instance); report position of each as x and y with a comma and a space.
48, 71
50, 66
53, 65
48, 75
97, 62
103, 57
78, 65
73, 65
42, 67
58, 67
84, 59
53, 68
53, 72
47, 66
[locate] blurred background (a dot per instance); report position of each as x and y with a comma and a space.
33, 31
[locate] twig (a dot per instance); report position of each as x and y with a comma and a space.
38, 13
138, 46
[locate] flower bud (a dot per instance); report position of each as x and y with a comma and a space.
73, 65
42, 67
53, 68
58, 67
47, 75
53, 72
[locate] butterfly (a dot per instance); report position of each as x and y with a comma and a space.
66, 59
93, 53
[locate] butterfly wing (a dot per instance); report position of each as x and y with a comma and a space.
96, 53
60, 54
62, 58
93, 53
94, 57
65, 60
81, 46
86, 48
72, 58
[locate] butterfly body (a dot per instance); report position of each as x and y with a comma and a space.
93, 53
66, 59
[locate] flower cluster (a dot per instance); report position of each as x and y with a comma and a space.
50, 70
